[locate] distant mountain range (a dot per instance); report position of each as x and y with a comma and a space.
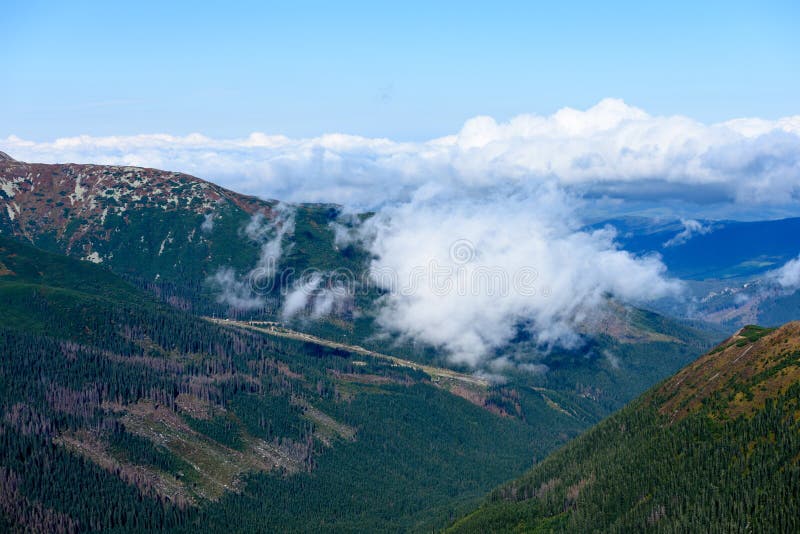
725, 264
712, 250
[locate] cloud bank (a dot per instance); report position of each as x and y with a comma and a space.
496, 207
611, 149
464, 274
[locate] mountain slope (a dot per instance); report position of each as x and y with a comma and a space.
714, 448
149, 226
387, 443
166, 232
118, 412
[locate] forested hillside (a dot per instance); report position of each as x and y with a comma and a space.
716, 448
178, 237
121, 413
123, 369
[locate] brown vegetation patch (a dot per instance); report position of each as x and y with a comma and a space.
574, 491
745, 372
475, 396
27, 421
79, 403
617, 323
148, 480
365, 378
194, 406
217, 468
327, 427
48, 198
545, 487
284, 368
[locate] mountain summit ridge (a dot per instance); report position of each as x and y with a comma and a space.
45, 197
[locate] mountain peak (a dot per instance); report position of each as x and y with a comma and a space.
74, 201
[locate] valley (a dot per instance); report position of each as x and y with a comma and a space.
124, 356
399, 267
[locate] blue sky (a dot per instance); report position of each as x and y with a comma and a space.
555, 114
408, 71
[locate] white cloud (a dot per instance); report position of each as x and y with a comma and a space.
242, 292
315, 296
296, 301
270, 233
235, 291
611, 148
691, 228
788, 276
462, 273
494, 197
207, 226
612, 359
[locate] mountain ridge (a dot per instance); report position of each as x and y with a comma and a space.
716, 446
95, 191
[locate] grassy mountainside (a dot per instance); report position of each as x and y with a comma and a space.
121, 413
714, 448
166, 232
